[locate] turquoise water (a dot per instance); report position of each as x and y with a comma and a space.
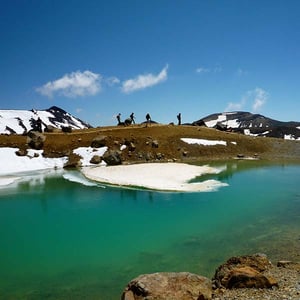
64, 240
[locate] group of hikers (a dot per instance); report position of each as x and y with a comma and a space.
131, 120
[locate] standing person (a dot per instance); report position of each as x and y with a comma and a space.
132, 118
179, 118
148, 118
119, 118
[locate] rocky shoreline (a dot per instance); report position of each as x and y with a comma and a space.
245, 277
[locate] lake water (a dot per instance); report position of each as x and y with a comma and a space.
61, 239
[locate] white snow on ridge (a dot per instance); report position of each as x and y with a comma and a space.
13, 118
213, 123
203, 142
222, 118
233, 123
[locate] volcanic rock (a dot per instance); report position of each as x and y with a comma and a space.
112, 157
162, 286
244, 272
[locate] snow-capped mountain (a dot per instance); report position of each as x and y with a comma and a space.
22, 121
251, 124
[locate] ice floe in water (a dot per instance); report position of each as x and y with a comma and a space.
156, 176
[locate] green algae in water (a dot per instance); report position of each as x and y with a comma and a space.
64, 240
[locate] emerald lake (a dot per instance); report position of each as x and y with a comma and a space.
63, 237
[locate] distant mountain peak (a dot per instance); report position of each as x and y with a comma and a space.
22, 121
251, 124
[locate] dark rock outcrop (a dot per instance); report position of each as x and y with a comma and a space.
96, 159
154, 144
35, 140
73, 161
112, 157
99, 141
66, 129
60, 116
162, 286
21, 152
50, 128
130, 145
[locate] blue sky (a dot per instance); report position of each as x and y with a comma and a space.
96, 59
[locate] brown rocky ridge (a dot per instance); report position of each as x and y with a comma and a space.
158, 143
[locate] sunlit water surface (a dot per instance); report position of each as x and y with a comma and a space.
61, 239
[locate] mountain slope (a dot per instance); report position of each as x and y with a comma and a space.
251, 124
22, 121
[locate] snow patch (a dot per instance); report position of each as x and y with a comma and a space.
213, 123
203, 142
11, 163
233, 123
87, 153
290, 137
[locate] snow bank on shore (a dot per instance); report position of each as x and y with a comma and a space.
11, 163
157, 176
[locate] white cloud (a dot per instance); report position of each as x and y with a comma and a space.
202, 70
260, 98
112, 80
144, 81
257, 97
216, 69
73, 85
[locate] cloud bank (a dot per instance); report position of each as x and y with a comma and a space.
75, 84
144, 81
257, 97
